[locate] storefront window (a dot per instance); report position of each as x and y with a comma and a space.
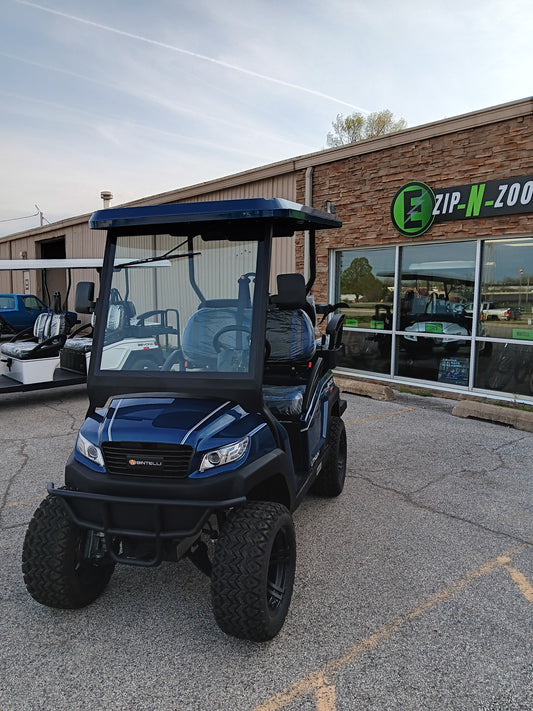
365, 283
436, 284
506, 367
420, 325
506, 304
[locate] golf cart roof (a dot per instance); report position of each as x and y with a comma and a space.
286, 216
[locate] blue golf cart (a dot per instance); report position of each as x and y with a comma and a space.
205, 443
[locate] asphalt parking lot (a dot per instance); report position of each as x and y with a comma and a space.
414, 589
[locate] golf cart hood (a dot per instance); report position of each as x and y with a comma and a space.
172, 420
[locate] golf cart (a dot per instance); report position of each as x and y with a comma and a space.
207, 450
53, 353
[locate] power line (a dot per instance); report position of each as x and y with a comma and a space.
26, 217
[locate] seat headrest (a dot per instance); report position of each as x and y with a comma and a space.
291, 291
292, 295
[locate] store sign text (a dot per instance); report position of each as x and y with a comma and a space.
495, 197
416, 206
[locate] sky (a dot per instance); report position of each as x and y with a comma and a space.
139, 98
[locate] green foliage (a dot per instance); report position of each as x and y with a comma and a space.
356, 127
358, 279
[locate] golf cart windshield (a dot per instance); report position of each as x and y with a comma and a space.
184, 297
180, 305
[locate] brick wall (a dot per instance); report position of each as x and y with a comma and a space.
362, 187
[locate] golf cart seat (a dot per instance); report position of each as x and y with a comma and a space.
119, 319
74, 355
81, 344
74, 352
49, 335
291, 339
291, 347
291, 352
291, 295
199, 341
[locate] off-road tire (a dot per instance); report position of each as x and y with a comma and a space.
55, 572
253, 571
330, 480
501, 371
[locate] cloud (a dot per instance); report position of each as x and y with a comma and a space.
195, 55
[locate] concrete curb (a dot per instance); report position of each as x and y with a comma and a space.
519, 419
376, 391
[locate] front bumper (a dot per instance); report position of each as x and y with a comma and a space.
158, 510
139, 517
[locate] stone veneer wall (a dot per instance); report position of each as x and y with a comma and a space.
362, 187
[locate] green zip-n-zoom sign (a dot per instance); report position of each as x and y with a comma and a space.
416, 206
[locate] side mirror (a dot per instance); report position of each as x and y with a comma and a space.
84, 302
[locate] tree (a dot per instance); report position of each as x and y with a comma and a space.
356, 127
358, 279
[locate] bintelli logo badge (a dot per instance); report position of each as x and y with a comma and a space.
145, 462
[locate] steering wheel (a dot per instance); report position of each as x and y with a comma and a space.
176, 357
50, 344
85, 327
218, 345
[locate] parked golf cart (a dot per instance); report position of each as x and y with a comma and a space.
30, 358
56, 351
207, 451
18, 312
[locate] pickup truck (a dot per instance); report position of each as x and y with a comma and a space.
489, 311
19, 312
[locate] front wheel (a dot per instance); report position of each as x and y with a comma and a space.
253, 571
64, 566
330, 480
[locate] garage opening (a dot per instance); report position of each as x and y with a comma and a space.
54, 279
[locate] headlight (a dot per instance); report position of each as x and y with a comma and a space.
224, 455
89, 450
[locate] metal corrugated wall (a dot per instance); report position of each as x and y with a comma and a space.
281, 186
80, 241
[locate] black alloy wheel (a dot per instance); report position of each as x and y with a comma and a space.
253, 571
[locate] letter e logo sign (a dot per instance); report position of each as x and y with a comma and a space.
412, 209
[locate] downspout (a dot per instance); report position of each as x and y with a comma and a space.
308, 200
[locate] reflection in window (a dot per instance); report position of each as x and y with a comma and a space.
435, 336
365, 280
506, 304
505, 366
365, 283
437, 283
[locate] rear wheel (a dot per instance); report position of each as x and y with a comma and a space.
58, 571
253, 571
330, 480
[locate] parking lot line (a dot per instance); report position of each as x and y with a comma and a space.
321, 682
523, 583
23, 502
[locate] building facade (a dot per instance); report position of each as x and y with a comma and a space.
433, 263
435, 256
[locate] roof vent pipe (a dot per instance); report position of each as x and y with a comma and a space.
106, 197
